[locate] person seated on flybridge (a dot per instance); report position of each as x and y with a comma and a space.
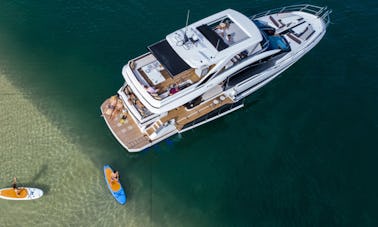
222, 27
174, 89
151, 90
229, 39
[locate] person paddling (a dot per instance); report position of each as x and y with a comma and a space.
114, 176
14, 186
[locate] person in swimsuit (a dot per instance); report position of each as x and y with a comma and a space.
151, 90
113, 102
123, 116
14, 186
118, 108
114, 176
111, 105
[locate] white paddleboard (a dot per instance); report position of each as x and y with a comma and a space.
24, 193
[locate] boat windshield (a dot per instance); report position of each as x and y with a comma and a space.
213, 37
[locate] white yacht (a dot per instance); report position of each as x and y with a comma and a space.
206, 69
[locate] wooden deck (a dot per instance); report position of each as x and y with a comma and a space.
183, 116
169, 81
163, 87
127, 131
179, 79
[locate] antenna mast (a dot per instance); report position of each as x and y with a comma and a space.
187, 20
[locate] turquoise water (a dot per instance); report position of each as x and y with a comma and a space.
302, 152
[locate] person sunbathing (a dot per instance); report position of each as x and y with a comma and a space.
117, 109
111, 105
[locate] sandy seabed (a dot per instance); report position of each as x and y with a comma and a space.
34, 150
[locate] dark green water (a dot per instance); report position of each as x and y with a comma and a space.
303, 151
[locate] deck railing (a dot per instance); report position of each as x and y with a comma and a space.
223, 110
320, 12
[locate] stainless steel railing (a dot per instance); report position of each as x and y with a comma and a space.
320, 12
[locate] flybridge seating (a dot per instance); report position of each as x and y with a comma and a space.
210, 40
222, 33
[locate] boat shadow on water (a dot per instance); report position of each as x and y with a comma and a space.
31, 183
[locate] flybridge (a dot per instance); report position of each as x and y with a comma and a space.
209, 40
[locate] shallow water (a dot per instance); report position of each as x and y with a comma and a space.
302, 151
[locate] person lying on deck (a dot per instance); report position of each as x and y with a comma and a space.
112, 105
118, 108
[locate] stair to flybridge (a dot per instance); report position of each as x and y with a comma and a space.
154, 127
